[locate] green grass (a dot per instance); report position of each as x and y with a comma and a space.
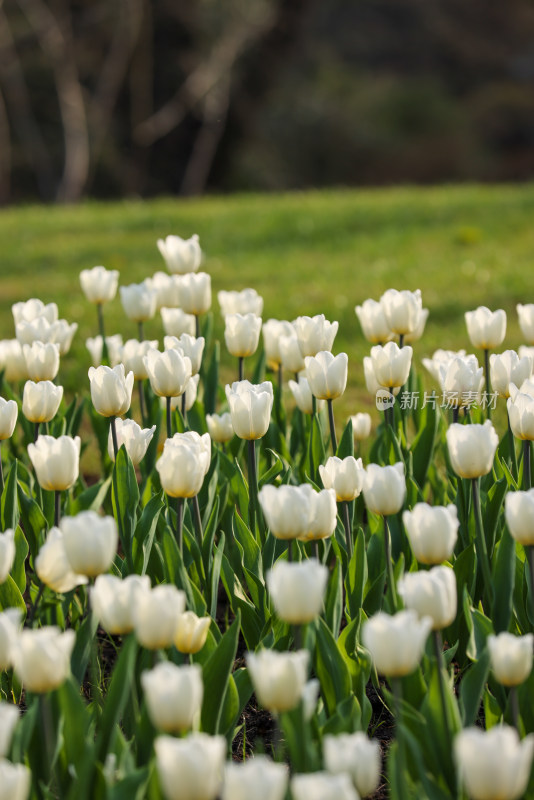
307, 253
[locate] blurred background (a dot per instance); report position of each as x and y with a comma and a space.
136, 98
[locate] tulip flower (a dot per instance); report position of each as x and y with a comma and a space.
133, 437
113, 601
519, 515
165, 288
391, 364
242, 334
173, 695
56, 461
194, 294
191, 632
303, 396
53, 567
114, 348
111, 390
290, 353
327, 377
168, 373
99, 284
190, 768
12, 361
278, 678
138, 302
346, 477
384, 488
41, 657
180, 255
373, 321
315, 334
258, 777
402, 311
41, 401
31, 309
182, 469
15, 781
322, 515
472, 448
432, 532
493, 764
90, 542
361, 426
441, 358
322, 786
525, 314
190, 346
42, 360
9, 716
511, 657
357, 755
520, 407
40, 330
10, 625
132, 356
250, 408
220, 427
486, 329
431, 594
176, 321
286, 509
508, 368
272, 331
419, 330
7, 553
297, 590
248, 301
62, 333
156, 615
461, 380
8, 419
396, 643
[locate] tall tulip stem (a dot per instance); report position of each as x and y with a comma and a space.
179, 507
142, 407
333, 437
100, 315
197, 326
514, 707
184, 410
530, 556
36, 432
511, 447
252, 484
401, 341
481, 547
347, 526
488, 384
438, 650
1, 472
169, 417
389, 566
526, 465
198, 520
57, 508
240, 368
114, 437
140, 332
455, 413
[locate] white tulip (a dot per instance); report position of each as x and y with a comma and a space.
511, 657
56, 461
173, 695
99, 284
248, 301
526, 321
95, 346
396, 643
250, 408
31, 309
432, 594
133, 437
323, 786
402, 310
113, 601
357, 755
194, 292
7, 553
41, 401
486, 328
12, 360
278, 678
519, 515
297, 589
180, 255
42, 360
361, 426
242, 334
42, 657
15, 781
156, 615
111, 390
176, 321
303, 395
432, 531
9, 716
190, 768
472, 448
138, 301
258, 777
373, 321
220, 427
345, 476
384, 488
90, 542
508, 368
10, 625
53, 567
327, 374
315, 334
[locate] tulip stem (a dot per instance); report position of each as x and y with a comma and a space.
36, 432
511, 447
348, 531
401, 341
100, 315
530, 556
488, 385
114, 437
1, 473
455, 413
526, 465
240, 368
198, 520
514, 706
57, 507
481, 546
333, 437
180, 523
290, 550
184, 410
252, 484
389, 567
197, 326
438, 649
140, 332
169, 417
142, 407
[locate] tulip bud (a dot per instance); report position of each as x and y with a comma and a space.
373, 321
521, 412
242, 334
526, 321
191, 632
486, 328
133, 437
10, 624
258, 777
15, 781
461, 380
194, 292
9, 716
176, 321
327, 375
220, 427
402, 310
7, 553
361, 426
250, 408
31, 309
41, 401
111, 390
99, 284
113, 600
156, 615
42, 657
173, 695
396, 643
508, 368
95, 345
12, 361
248, 301
8, 418
432, 594
315, 334
511, 657
190, 346
53, 567
322, 786
42, 360
56, 461
493, 764
90, 542
384, 488
432, 532
357, 755
297, 589
292, 358
190, 768
278, 678
180, 255
391, 364
472, 448
272, 331
138, 301
168, 372
519, 515
345, 476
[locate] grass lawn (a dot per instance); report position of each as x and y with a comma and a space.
306, 253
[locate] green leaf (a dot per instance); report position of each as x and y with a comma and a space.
316, 450
10, 503
423, 445
145, 532
503, 582
125, 496
18, 571
472, 688
356, 577
346, 443
10, 596
334, 600
215, 575
91, 499
274, 470
215, 673
211, 380
32, 520
76, 723
119, 690
330, 668
491, 511
85, 641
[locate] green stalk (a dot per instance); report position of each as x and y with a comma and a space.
481, 547
396, 685
114, 437
348, 531
530, 556
140, 332
514, 706
438, 650
198, 521
526, 465
57, 508
184, 410
197, 326
141, 400
2, 484
488, 385
252, 485
169, 417
180, 523
240, 368
392, 589
511, 447
333, 437
100, 314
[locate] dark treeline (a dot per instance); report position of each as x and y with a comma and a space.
112, 98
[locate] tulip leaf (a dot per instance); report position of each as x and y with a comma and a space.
83, 646
10, 503
75, 725
472, 688
492, 508
316, 449
216, 673
330, 668
125, 497
145, 532
120, 688
91, 499
334, 600
210, 529
503, 581
33, 521
274, 470
132, 787
423, 445
346, 443
211, 380
347, 718
251, 625
18, 571
73, 416
356, 576
215, 575
230, 710
10, 596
